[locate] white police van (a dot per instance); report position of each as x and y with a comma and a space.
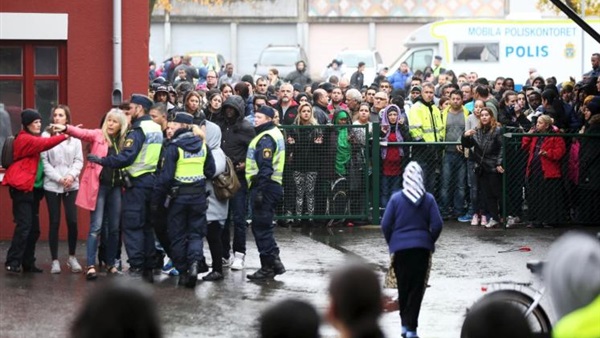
508, 48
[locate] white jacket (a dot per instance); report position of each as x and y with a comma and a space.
60, 161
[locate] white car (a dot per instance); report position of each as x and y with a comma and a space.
351, 58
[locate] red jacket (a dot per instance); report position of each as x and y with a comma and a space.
555, 149
26, 154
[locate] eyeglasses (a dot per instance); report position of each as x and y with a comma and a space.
211, 77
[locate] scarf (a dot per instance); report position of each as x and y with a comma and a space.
344, 150
413, 187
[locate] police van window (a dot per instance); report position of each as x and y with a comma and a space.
485, 52
420, 59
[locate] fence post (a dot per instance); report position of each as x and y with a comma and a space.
506, 139
375, 172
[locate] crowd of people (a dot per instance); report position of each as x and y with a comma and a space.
429, 106
290, 139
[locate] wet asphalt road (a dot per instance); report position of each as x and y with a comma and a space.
44, 305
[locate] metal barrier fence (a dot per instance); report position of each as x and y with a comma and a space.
551, 178
326, 175
336, 173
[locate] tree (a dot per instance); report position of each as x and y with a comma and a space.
592, 7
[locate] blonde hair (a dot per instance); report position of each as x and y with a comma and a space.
546, 119
312, 121
118, 115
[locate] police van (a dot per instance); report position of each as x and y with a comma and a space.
508, 48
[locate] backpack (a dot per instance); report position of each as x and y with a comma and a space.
226, 184
7, 152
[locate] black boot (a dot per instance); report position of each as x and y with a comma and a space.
202, 266
265, 272
183, 278
148, 275
278, 267
193, 275
32, 268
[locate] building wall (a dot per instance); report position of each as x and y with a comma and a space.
90, 70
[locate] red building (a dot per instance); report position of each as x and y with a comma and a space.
62, 52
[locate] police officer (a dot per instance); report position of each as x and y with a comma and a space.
264, 173
139, 158
181, 188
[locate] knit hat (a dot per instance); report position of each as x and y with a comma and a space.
413, 186
594, 105
183, 118
28, 116
415, 89
142, 100
266, 110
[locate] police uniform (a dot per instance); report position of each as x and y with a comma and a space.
265, 161
426, 125
139, 158
181, 188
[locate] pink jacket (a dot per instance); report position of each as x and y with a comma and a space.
89, 184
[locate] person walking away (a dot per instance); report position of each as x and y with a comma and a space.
100, 189
264, 174
181, 188
25, 181
62, 165
139, 158
411, 225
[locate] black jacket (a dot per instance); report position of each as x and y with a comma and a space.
589, 156
487, 148
237, 132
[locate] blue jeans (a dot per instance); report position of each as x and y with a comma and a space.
238, 207
111, 198
262, 219
389, 185
472, 181
453, 183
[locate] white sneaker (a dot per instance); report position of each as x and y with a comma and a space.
238, 261
483, 220
226, 261
55, 267
73, 264
475, 220
512, 220
492, 223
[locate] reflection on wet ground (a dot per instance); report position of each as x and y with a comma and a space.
466, 257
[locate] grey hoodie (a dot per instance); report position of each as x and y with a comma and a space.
572, 272
217, 210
